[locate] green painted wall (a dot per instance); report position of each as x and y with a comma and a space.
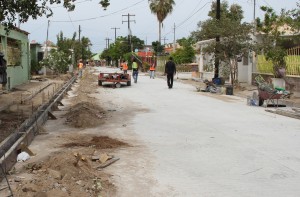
21, 73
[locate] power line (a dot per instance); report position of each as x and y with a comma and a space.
93, 18
180, 24
193, 14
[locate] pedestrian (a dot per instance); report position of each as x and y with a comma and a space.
170, 70
125, 67
80, 68
135, 70
152, 70
3, 73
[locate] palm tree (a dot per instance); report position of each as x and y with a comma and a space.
161, 8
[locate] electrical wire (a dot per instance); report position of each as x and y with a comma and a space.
180, 24
93, 18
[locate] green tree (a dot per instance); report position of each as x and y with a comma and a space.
120, 47
185, 54
235, 40
161, 8
57, 61
157, 47
22, 10
273, 44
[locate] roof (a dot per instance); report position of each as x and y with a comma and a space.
96, 57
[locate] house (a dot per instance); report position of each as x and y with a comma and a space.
206, 65
36, 52
15, 46
36, 55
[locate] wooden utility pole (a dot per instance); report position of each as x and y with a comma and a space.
107, 42
46, 47
115, 28
164, 39
174, 40
217, 61
129, 30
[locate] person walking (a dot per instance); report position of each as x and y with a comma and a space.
80, 68
3, 73
124, 67
135, 70
152, 70
170, 70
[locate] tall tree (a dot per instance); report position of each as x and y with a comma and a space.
234, 36
80, 49
161, 8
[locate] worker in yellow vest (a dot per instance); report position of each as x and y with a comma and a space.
135, 70
152, 70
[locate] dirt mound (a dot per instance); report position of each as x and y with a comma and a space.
85, 115
61, 177
101, 142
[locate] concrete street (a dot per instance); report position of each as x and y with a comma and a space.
187, 143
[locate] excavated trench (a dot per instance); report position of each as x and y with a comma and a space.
23, 135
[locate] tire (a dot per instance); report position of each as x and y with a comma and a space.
99, 83
260, 101
128, 83
118, 85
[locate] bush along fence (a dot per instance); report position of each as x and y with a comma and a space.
292, 63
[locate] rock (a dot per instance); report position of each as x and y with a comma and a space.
78, 182
56, 185
55, 174
28, 189
95, 157
103, 157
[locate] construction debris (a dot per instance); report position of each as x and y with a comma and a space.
107, 163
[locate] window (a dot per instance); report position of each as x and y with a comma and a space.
14, 53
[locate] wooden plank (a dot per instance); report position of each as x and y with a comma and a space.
108, 162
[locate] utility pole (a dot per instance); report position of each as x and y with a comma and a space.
129, 30
107, 42
218, 16
254, 16
79, 33
115, 28
174, 40
46, 47
164, 39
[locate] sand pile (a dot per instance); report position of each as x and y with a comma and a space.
85, 115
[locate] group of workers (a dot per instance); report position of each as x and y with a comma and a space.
170, 70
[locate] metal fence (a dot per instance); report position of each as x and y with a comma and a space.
292, 63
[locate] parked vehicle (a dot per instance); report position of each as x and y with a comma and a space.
114, 78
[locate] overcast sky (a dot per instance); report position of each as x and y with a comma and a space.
96, 23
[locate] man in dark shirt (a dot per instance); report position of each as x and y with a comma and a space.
3, 74
170, 70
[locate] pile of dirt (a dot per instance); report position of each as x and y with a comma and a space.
100, 142
62, 175
85, 115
